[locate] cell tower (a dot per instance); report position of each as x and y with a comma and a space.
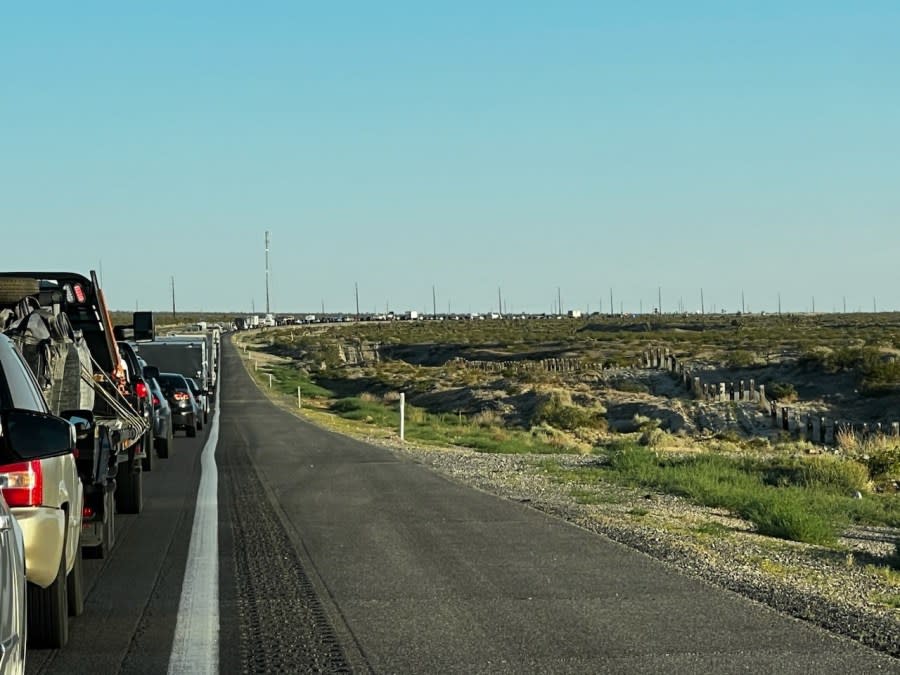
268, 310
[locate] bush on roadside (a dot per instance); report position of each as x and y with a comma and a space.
557, 411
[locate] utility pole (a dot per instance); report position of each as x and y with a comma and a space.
612, 306
659, 297
356, 286
702, 309
268, 309
323, 307
845, 304
779, 304
813, 304
173, 297
743, 309
874, 306
559, 301
499, 302
433, 301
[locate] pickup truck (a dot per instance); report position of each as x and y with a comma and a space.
63, 328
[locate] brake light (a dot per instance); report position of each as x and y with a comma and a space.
155, 401
141, 390
181, 396
87, 513
24, 483
79, 293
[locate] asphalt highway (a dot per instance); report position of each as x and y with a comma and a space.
337, 556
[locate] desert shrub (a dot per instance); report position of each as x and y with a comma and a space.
787, 516
740, 358
488, 418
368, 397
558, 411
781, 391
826, 472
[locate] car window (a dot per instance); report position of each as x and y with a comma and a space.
23, 389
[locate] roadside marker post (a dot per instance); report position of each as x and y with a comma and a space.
270, 380
299, 399
402, 416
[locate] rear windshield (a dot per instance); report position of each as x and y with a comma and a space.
170, 381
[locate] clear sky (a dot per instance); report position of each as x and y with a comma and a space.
581, 145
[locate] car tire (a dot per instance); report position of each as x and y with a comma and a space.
129, 489
206, 418
75, 586
162, 448
191, 431
48, 611
147, 459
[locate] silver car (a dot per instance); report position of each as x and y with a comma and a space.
12, 591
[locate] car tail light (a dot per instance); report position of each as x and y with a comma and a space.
155, 401
87, 513
141, 390
181, 396
24, 483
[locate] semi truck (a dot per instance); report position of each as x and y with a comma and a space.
61, 323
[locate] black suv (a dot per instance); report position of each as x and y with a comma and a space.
181, 401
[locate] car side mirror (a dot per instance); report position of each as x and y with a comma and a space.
34, 435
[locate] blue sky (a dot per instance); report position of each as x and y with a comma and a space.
739, 146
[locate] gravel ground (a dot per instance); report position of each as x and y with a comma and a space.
834, 589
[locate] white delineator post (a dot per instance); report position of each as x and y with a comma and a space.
402, 416
299, 399
270, 380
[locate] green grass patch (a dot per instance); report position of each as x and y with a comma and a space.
810, 508
286, 379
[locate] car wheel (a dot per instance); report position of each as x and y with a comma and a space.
129, 489
75, 587
162, 448
48, 611
147, 459
191, 430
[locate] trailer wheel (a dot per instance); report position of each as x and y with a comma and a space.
162, 447
147, 460
75, 587
48, 611
130, 488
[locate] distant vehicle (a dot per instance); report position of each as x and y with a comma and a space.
412, 315
268, 320
201, 398
162, 416
185, 412
45, 494
253, 321
184, 354
310, 318
13, 616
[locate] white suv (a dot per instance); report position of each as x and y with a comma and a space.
45, 495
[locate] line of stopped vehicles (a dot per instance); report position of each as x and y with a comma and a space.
86, 409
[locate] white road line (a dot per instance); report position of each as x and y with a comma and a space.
195, 648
